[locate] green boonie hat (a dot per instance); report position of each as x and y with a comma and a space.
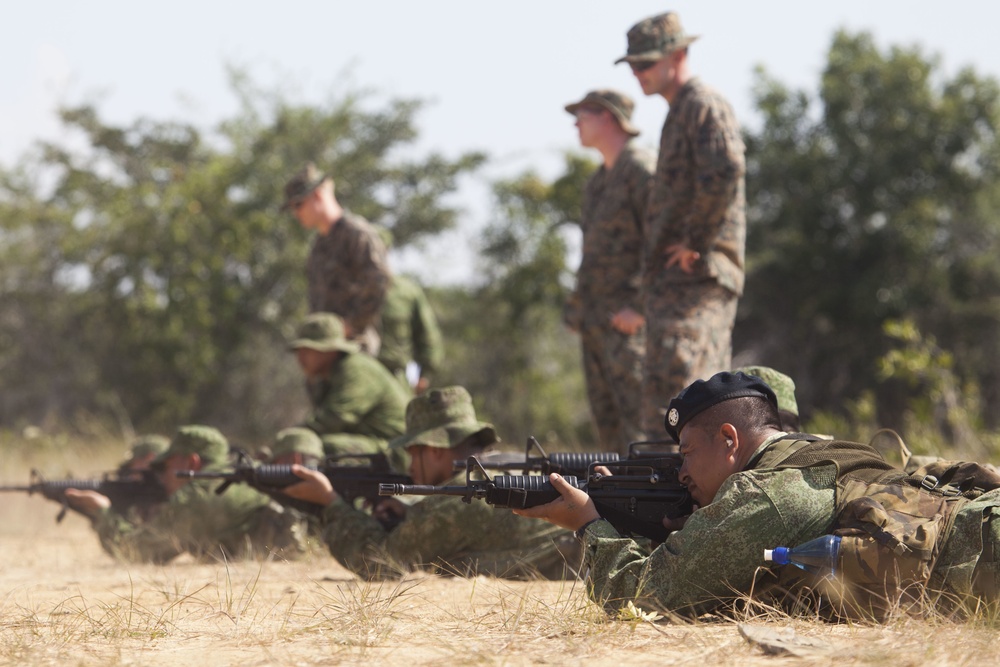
655, 37
146, 445
443, 418
619, 104
205, 441
323, 332
297, 440
782, 385
302, 184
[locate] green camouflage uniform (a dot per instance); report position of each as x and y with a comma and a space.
348, 274
240, 523
448, 536
609, 279
358, 407
786, 497
441, 533
409, 331
698, 200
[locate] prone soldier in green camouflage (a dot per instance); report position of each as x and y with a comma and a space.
410, 332
609, 281
696, 219
347, 269
358, 406
440, 533
908, 541
240, 523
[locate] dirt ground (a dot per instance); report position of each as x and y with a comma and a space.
64, 602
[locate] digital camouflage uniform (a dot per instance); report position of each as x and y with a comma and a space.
240, 523
409, 330
358, 406
348, 274
444, 534
610, 279
901, 538
698, 200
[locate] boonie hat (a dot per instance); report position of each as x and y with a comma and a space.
145, 445
297, 440
654, 37
323, 332
782, 385
703, 394
443, 418
619, 104
302, 184
205, 441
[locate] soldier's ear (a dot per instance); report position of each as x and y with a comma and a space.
194, 462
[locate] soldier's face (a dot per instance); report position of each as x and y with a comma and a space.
174, 464
709, 460
313, 363
310, 213
430, 465
589, 122
660, 77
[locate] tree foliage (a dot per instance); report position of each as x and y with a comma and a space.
149, 271
876, 203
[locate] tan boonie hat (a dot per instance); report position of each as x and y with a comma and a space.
302, 184
297, 440
655, 37
619, 104
323, 332
205, 441
782, 385
444, 418
146, 445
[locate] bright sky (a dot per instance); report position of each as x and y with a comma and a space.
496, 75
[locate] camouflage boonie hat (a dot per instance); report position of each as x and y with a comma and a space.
783, 386
619, 104
297, 440
443, 418
205, 441
145, 445
323, 332
301, 185
655, 37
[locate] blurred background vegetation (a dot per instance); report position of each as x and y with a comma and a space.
148, 279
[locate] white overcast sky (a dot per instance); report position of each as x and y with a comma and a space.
496, 75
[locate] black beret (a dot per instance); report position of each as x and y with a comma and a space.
703, 394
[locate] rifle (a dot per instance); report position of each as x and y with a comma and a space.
634, 498
572, 464
124, 490
349, 481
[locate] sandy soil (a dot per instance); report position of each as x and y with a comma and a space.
65, 602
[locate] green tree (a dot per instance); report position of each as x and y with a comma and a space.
876, 203
150, 271
507, 343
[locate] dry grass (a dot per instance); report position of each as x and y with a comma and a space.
64, 602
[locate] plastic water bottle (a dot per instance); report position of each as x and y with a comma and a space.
818, 556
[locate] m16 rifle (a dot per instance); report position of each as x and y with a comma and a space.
350, 481
572, 464
635, 497
138, 488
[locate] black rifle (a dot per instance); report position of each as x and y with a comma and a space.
635, 498
574, 464
349, 481
124, 489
